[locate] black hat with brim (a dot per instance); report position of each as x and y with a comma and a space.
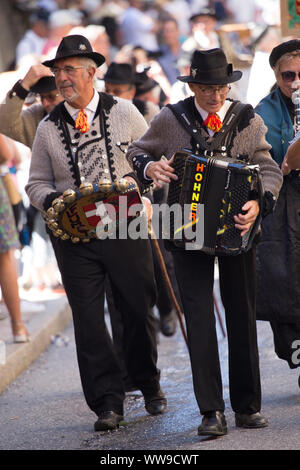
210, 67
44, 85
284, 48
120, 73
75, 46
144, 83
205, 12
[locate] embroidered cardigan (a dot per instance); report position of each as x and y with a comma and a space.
62, 158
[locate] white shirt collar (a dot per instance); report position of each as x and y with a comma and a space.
90, 109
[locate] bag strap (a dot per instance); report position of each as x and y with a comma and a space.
186, 119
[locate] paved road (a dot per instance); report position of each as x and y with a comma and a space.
45, 409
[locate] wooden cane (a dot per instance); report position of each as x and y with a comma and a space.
168, 282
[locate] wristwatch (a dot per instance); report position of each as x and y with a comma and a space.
18, 90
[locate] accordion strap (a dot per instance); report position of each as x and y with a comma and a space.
184, 116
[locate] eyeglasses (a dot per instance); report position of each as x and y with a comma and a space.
68, 70
49, 97
289, 76
210, 90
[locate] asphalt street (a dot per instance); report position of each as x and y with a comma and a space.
44, 408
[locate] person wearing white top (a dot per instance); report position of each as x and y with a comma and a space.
35, 38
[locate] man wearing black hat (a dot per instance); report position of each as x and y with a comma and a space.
148, 89
120, 80
209, 79
279, 281
84, 140
18, 123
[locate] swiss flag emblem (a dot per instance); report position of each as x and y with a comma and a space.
99, 212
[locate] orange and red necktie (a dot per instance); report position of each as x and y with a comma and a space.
213, 122
81, 122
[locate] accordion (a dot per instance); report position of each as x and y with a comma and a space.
220, 186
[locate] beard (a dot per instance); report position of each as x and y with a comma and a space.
68, 92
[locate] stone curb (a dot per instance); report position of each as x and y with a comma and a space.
42, 328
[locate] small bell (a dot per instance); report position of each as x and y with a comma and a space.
53, 225
86, 189
105, 185
122, 185
51, 213
58, 205
58, 233
65, 236
69, 196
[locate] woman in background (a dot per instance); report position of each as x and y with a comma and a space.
9, 241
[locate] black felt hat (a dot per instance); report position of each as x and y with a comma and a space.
143, 82
205, 12
211, 68
44, 85
278, 51
120, 73
75, 46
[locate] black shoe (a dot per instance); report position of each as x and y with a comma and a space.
156, 404
107, 421
213, 424
168, 323
255, 420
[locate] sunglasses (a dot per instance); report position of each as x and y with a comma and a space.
289, 76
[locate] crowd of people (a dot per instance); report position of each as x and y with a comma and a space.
106, 75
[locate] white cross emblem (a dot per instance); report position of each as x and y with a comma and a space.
193, 72
82, 47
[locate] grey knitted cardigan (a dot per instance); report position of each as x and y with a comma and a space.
62, 158
166, 136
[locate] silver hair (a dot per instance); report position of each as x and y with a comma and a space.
86, 61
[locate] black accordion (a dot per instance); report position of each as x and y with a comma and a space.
220, 186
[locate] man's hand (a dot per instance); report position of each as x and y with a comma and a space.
161, 172
245, 221
34, 74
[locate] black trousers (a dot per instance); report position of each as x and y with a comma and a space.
128, 263
195, 276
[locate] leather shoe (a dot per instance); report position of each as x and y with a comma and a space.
107, 421
213, 424
168, 323
254, 420
156, 404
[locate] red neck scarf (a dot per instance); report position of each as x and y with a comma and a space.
81, 122
213, 122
